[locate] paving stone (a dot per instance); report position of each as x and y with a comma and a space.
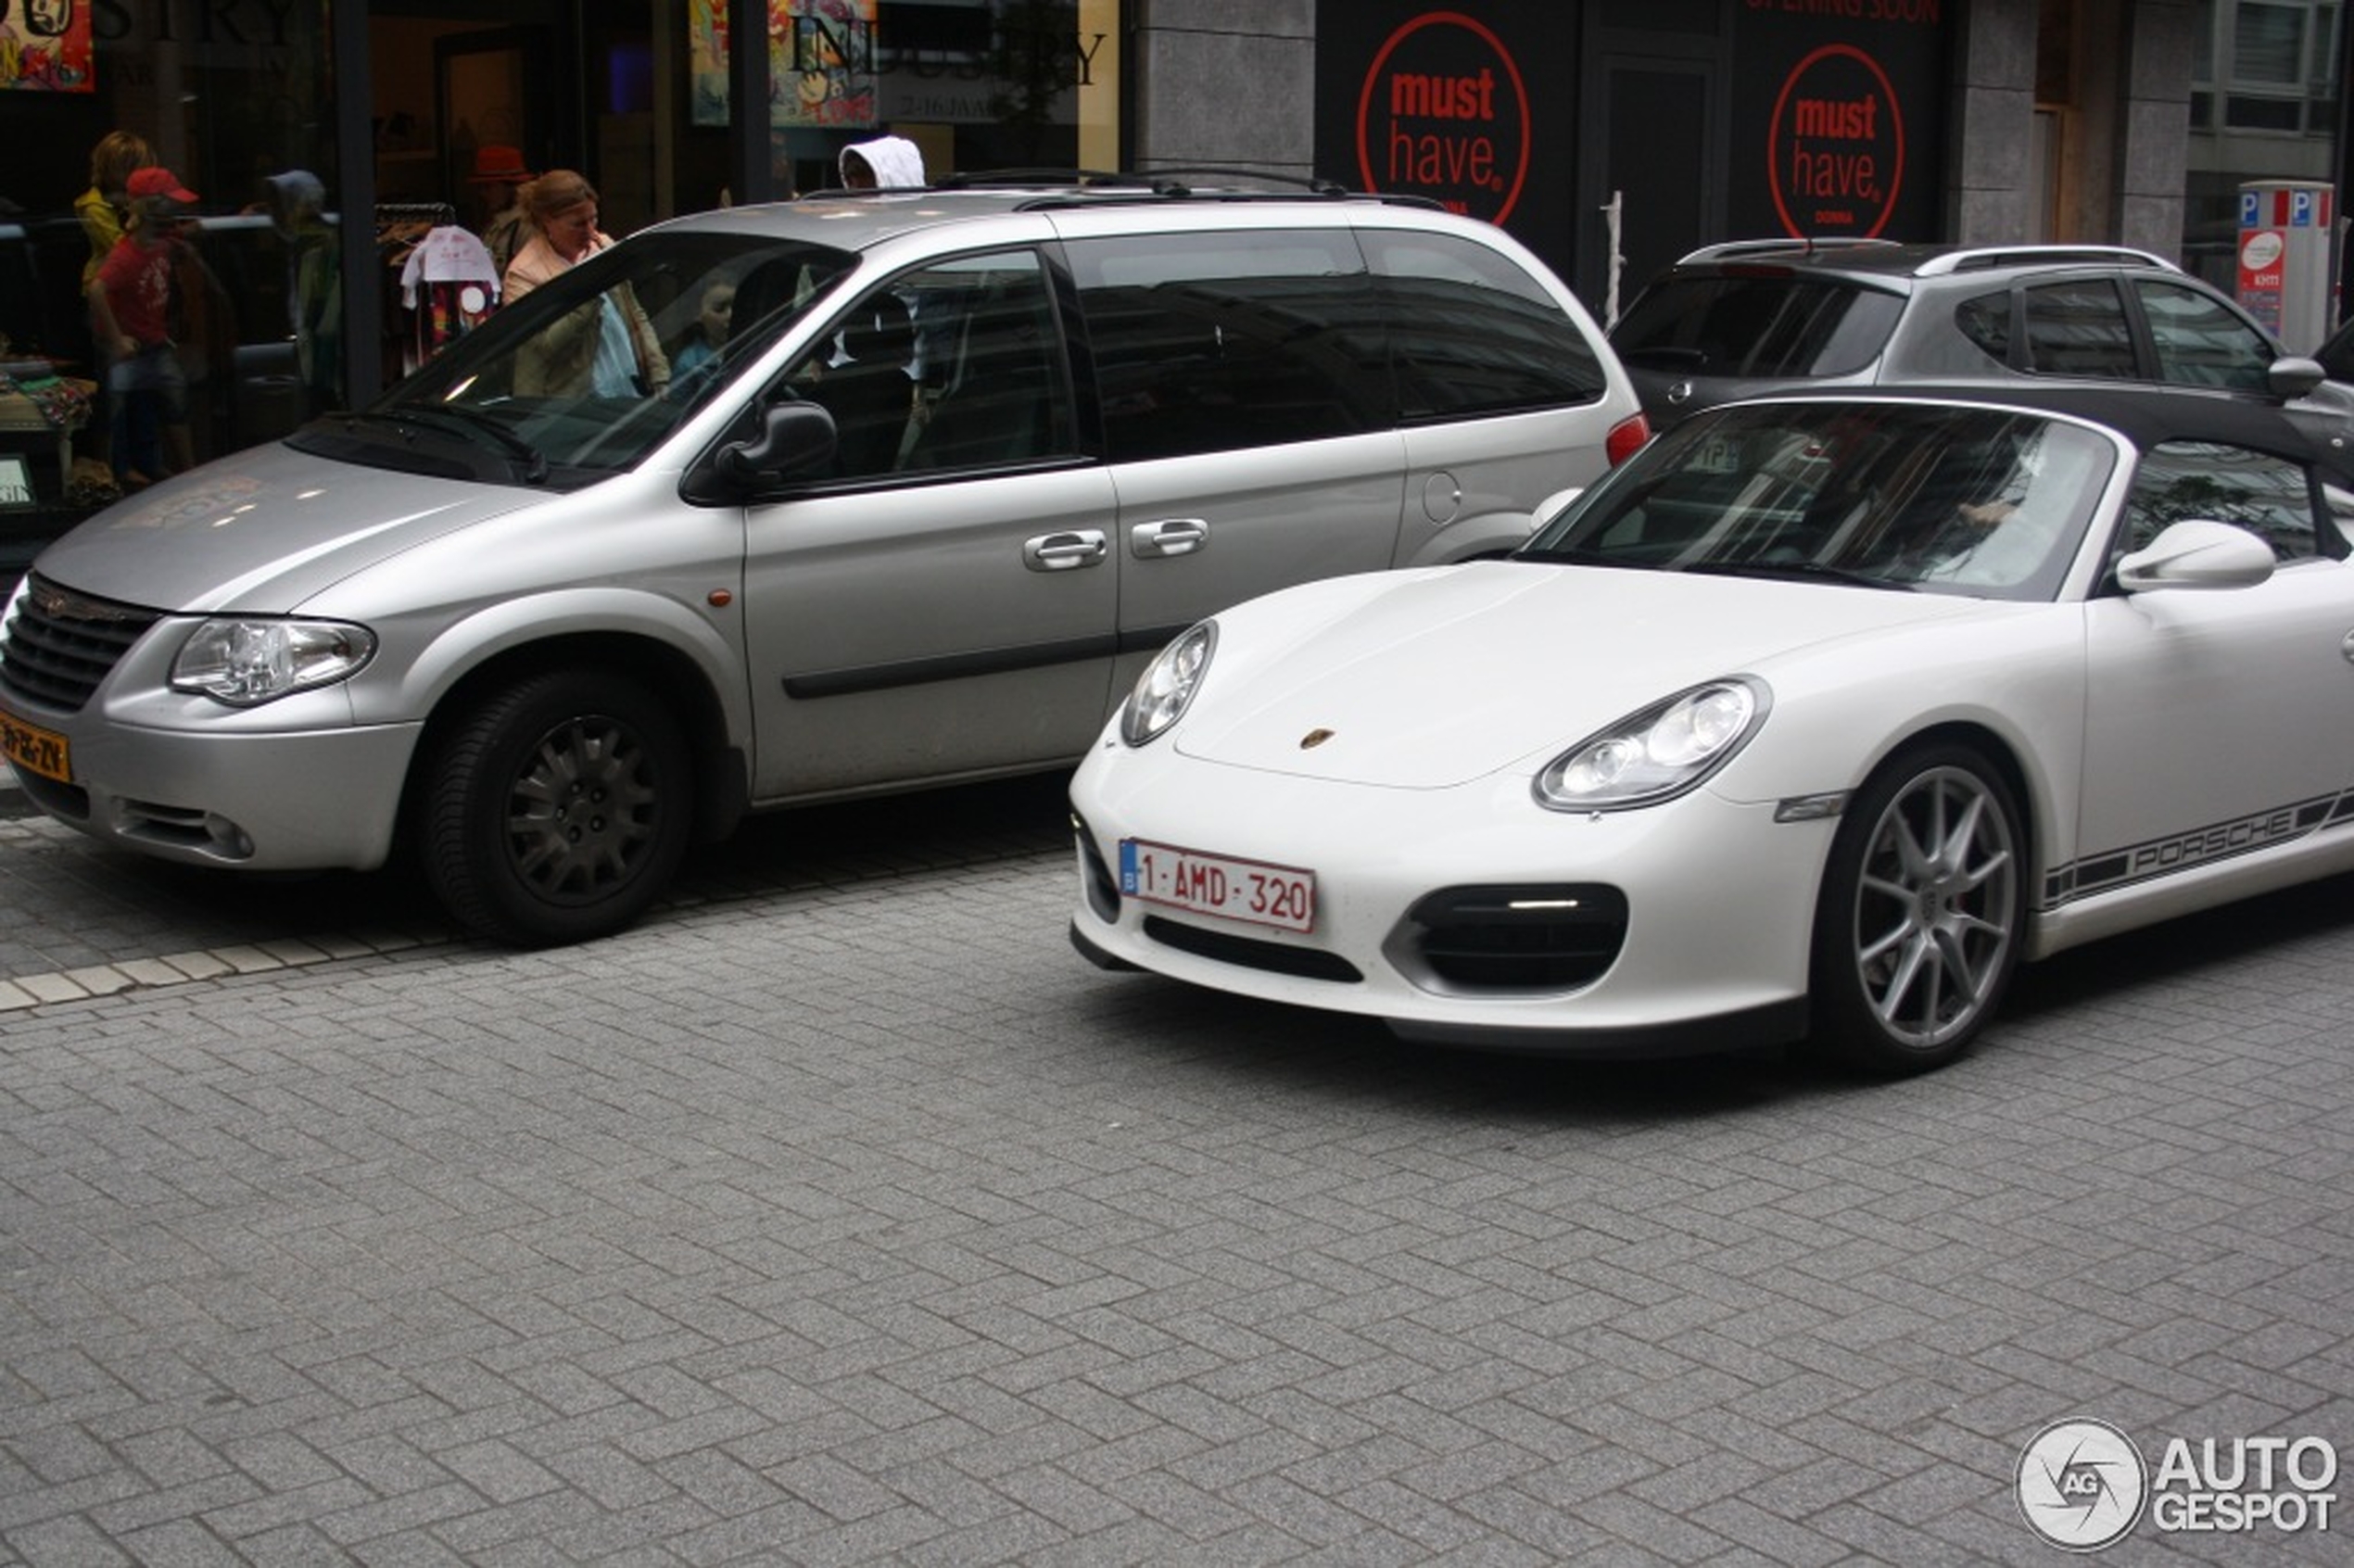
839, 1214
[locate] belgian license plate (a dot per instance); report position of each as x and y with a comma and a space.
35, 749
1251, 891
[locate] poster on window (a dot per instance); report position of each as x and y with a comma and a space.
821, 62
44, 46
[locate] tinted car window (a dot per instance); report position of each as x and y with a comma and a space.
2202, 343
1471, 333
2267, 496
1211, 343
1986, 320
957, 365
2078, 327
1760, 324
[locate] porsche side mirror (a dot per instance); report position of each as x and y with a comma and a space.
2197, 554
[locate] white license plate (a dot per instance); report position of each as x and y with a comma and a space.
1717, 455
1250, 890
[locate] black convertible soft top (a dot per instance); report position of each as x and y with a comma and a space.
2142, 413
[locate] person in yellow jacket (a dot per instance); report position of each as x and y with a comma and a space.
102, 209
607, 348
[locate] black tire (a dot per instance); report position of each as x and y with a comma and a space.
1923, 908
557, 810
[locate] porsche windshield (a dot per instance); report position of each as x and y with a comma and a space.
1983, 502
583, 376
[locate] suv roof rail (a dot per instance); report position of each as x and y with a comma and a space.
1725, 250
1981, 258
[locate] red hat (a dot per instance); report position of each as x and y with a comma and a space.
497, 164
158, 181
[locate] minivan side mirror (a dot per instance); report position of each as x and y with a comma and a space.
795, 439
2197, 554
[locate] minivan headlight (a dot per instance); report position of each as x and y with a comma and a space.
1659, 752
244, 662
1168, 684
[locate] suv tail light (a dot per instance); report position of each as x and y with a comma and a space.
1626, 438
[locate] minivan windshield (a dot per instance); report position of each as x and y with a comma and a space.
1939, 498
585, 375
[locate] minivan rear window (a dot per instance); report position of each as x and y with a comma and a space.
1757, 326
1472, 333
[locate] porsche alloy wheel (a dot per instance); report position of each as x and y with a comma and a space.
558, 810
1918, 928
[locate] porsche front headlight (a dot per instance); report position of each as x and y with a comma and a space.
1658, 754
244, 662
1167, 685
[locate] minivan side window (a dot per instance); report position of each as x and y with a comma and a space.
1216, 342
2202, 343
956, 366
1474, 333
2078, 327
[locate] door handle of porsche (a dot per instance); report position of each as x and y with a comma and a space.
1066, 551
1170, 535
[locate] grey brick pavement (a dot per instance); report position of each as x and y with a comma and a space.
841, 1215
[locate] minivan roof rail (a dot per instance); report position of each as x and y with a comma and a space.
1068, 186
1980, 258
1799, 245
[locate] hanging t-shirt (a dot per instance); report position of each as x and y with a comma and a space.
449, 285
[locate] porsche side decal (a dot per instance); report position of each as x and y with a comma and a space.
2199, 846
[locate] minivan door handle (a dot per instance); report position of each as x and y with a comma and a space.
1170, 535
1062, 552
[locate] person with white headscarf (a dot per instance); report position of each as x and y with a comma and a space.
886, 163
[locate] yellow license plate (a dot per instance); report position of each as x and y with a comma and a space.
35, 749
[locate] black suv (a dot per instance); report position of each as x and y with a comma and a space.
1730, 321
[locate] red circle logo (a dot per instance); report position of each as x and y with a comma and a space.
1835, 151
1444, 114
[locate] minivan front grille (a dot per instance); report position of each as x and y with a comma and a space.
59, 645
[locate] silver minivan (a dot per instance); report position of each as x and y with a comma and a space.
960, 462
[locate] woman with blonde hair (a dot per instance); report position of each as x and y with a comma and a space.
606, 348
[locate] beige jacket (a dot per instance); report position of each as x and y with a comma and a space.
561, 359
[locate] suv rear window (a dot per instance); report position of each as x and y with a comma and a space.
1757, 325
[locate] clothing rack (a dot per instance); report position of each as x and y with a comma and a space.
432, 214
400, 226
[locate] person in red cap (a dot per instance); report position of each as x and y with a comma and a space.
499, 171
130, 318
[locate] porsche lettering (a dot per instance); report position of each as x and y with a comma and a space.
2231, 838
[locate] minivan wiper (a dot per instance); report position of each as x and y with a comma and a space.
535, 463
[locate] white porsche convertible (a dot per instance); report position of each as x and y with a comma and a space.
1814, 720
